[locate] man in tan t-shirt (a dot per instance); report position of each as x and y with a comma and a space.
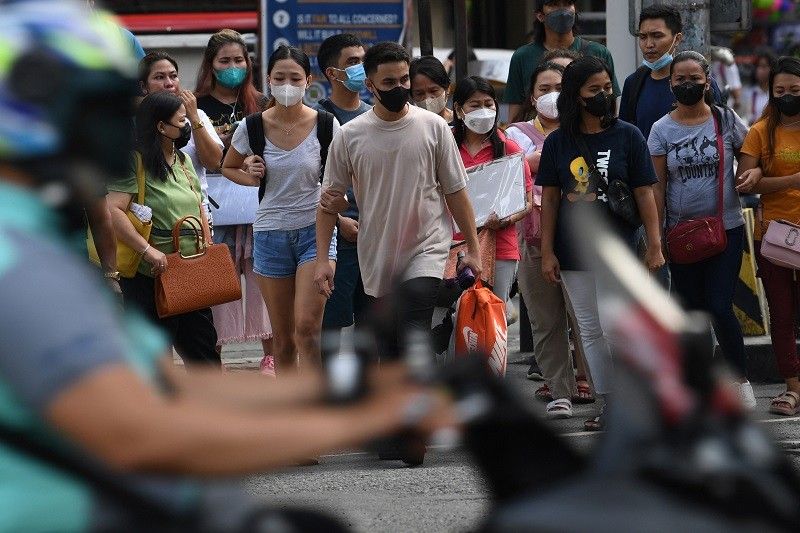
405, 170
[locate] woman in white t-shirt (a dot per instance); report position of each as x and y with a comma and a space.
284, 232
756, 95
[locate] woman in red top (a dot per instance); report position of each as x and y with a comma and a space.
479, 141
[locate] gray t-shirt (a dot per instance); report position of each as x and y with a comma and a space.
692, 167
291, 195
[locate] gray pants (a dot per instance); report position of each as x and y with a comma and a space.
548, 314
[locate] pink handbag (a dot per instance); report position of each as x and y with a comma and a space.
781, 244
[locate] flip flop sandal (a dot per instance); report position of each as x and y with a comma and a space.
559, 409
543, 393
786, 404
595, 424
584, 394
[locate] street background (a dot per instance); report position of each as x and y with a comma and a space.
446, 493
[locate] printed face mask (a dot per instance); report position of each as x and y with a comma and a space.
230, 77
287, 94
355, 78
560, 21
689, 93
546, 105
662, 61
481, 121
435, 104
788, 104
599, 105
394, 100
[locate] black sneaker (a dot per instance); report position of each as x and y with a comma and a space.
534, 373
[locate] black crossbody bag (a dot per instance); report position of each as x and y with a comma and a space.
620, 196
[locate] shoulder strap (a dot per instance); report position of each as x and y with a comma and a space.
328, 106
530, 131
637, 83
715, 111
139, 178
324, 136
258, 142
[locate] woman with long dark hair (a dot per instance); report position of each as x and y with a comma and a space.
430, 86
284, 242
756, 95
480, 141
770, 165
684, 147
225, 89
172, 191
589, 151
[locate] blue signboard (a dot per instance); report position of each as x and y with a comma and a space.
306, 23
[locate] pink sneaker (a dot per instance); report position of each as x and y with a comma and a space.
267, 366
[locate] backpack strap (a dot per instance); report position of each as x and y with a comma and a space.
637, 83
324, 136
328, 106
258, 142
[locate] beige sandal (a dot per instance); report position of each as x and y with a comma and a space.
786, 404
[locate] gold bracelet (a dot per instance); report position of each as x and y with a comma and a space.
198, 125
145, 250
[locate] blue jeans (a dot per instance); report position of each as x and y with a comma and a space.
348, 302
279, 253
709, 286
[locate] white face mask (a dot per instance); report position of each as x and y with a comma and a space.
481, 121
287, 94
546, 105
435, 105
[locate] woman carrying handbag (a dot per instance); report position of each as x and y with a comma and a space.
770, 165
694, 148
172, 192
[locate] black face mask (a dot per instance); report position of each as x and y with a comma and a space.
560, 21
689, 93
599, 105
393, 100
183, 139
788, 104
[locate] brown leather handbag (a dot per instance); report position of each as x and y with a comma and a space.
203, 279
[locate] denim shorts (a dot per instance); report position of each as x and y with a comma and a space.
279, 253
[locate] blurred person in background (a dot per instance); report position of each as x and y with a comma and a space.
480, 141
548, 306
97, 388
341, 59
770, 166
554, 28
284, 234
683, 145
225, 93
725, 69
560, 56
619, 151
756, 94
172, 191
430, 86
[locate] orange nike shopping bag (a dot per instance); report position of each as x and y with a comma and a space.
480, 327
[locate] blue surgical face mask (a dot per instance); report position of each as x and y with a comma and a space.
355, 77
230, 77
662, 61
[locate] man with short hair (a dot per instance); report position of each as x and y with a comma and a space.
647, 93
554, 29
340, 59
405, 170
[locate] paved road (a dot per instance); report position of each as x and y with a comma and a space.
446, 493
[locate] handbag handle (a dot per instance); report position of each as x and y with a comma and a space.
201, 244
203, 219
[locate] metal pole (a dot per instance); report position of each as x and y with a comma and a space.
696, 17
263, 48
425, 27
462, 39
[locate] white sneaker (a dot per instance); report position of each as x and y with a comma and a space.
560, 408
747, 396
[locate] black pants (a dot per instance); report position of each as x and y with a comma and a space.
193, 334
410, 307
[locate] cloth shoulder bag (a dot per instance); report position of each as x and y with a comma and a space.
127, 258
698, 239
203, 279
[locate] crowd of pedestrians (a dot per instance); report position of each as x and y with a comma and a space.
331, 210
